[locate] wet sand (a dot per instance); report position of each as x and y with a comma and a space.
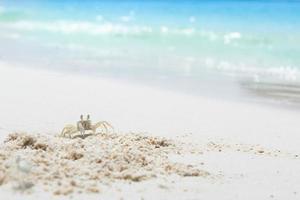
287, 94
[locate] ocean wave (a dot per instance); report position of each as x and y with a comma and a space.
101, 28
231, 36
258, 73
188, 66
66, 27
90, 28
230, 52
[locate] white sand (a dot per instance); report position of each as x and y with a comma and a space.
41, 101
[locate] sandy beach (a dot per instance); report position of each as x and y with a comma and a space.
140, 100
246, 151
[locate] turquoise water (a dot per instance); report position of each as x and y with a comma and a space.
190, 39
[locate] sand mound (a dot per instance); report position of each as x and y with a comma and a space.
63, 166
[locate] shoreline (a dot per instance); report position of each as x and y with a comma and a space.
244, 89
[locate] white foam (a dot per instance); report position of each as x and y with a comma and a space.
67, 27
164, 29
101, 26
231, 36
286, 73
282, 73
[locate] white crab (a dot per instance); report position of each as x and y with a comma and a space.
86, 125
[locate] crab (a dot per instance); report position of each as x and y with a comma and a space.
85, 125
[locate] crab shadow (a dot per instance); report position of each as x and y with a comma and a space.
83, 136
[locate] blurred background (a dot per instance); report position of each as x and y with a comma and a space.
221, 48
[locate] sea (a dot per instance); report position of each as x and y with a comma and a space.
221, 48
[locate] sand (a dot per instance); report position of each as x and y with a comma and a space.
64, 166
93, 164
238, 150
